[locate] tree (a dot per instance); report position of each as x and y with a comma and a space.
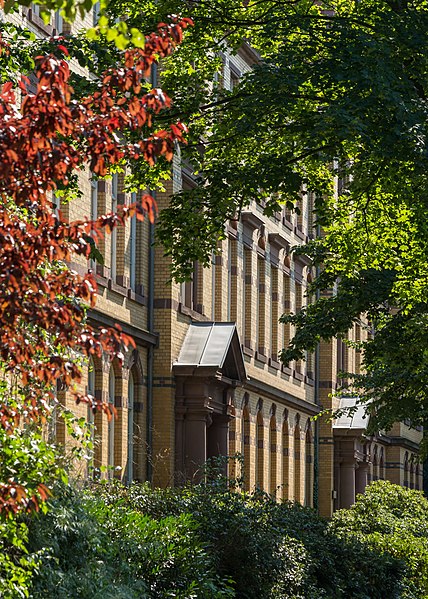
339, 93
44, 141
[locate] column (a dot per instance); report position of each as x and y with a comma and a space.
195, 444
361, 477
347, 484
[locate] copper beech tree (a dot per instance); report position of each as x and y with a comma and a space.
44, 140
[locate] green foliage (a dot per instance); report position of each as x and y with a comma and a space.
267, 549
17, 566
26, 459
112, 541
69, 8
100, 549
338, 89
392, 521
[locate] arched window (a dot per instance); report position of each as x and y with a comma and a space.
90, 416
308, 466
273, 475
382, 464
110, 443
245, 442
297, 462
375, 464
417, 479
130, 439
406, 469
260, 442
285, 459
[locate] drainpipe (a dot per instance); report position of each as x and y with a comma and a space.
317, 399
150, 326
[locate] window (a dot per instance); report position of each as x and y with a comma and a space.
131, 396
285, 460
229, 280
245, 441
90, 417
58, 22
274, 313
286, 330
190, 290
297, 464
94, 211
260, 430
111, 397
133, 248
273, 456
308, 467
96, 13
261, 306
113, 255
247, 317
35, 9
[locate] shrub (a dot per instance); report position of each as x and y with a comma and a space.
207, 541
93, 550
269, 550
17, 565
392, 521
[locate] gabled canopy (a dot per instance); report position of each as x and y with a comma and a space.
354, 417
213, 345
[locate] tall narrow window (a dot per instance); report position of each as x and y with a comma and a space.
190, 289
131, 394
286, 327
357, 352
297, 464
35, 9
91, 392
308, 468
382, 464
273, 474
248, 315
285, 460
406, 469
246, 445
375, 464
260, 449
229, 280
244, 297
261, 306
96, 13
133, 248
274, 313
58, 22
94, 210
114, 191
111, 396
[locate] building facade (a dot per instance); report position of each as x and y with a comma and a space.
205, 379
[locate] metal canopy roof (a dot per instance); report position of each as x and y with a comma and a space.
356, 420
215, 345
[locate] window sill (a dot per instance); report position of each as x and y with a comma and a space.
186, 311
274, 364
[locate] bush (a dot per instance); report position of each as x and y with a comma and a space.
16, 564
269, 550
93, 550
112, 541
392, 521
